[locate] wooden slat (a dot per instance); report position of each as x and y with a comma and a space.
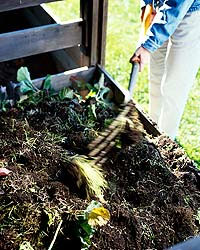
103, 10
85, 46
6, 5
65, 59
62, 80
94, 35
39, 40
90, 14
150, 126
69, 58
94, 13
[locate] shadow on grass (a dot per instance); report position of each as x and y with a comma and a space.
197, 163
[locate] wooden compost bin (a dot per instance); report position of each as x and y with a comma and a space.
74, 48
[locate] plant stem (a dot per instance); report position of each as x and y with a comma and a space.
55, 236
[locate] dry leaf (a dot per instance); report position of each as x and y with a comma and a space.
98, 217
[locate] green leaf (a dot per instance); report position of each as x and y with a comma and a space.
87, 228
96, 86
66, 93
103, 93
47, 83
93, 108
4, 105
3, 93
26, 86
23, 75
89, 86
86, 242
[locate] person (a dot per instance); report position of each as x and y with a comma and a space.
173, 44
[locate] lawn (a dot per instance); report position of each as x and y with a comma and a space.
122, 36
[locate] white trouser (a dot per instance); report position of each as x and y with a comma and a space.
173, 69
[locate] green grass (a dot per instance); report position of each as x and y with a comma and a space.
122, 37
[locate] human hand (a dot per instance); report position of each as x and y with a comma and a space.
142, 56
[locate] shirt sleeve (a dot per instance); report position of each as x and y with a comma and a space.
145, 2
168, 17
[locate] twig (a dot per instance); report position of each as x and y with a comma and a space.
55, 236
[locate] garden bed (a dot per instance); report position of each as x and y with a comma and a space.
153, 192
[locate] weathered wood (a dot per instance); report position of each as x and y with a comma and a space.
62, 80
150, 126
94, 13
103, 13
39, 40
66, 59
85, 45
92, 48
90, 14
6, 5
94, 33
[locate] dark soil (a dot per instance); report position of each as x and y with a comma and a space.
153, 194
152, 207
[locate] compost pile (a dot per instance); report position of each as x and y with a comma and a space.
153, 192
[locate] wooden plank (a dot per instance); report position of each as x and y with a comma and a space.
150, 126
103, 9
39, 40
6, 5
90, 15
62, 80
85, 14
94, 32
39, 15
66, 59
94, 14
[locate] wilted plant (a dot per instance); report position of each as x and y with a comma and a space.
33, 95
94, 216
92, 175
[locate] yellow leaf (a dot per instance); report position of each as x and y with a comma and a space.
91, 94
98, 217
